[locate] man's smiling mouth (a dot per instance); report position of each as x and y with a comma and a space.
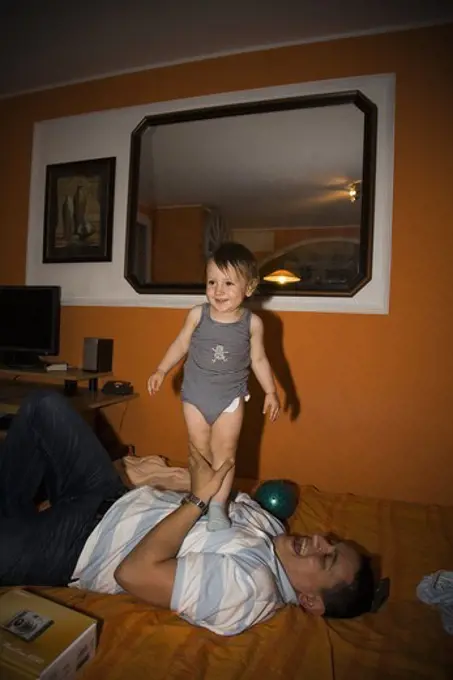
300, 545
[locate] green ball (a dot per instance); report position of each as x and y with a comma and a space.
277, 496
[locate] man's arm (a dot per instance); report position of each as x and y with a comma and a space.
148, 572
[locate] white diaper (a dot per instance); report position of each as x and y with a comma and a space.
235, 403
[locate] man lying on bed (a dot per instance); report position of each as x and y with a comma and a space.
154, 544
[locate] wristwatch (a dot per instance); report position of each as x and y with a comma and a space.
191, 498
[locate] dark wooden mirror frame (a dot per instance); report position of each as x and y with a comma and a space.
266, 289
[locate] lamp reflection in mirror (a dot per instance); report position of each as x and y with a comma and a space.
354, 192
282, 276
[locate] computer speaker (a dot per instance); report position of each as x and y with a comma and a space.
97, 355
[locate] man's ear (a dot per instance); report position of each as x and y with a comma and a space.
311, 603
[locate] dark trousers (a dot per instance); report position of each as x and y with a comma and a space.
50, 445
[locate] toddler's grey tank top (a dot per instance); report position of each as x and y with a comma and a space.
218, 364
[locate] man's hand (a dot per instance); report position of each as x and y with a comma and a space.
204, 481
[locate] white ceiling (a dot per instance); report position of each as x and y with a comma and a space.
48, 42
272, 170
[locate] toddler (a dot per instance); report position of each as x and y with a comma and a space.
222, 340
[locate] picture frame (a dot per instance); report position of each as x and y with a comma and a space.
78, 214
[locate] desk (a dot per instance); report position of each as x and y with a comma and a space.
69, 378
13, 393
83, 399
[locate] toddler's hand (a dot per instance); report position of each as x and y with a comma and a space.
155, 381
272, 404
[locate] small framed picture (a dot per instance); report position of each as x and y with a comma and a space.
78, 216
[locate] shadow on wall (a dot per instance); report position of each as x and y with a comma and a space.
247, 465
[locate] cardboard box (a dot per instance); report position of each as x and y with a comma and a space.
42, 639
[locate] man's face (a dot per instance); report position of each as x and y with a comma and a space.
314, 564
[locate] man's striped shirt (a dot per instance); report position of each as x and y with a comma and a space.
226, 581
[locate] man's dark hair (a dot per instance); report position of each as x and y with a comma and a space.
345, 601
237, 256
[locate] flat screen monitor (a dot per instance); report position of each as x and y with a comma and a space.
29, 323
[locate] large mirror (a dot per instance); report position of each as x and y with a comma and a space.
291, 179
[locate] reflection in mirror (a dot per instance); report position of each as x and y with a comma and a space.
292, 179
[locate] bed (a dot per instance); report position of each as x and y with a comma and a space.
404, 640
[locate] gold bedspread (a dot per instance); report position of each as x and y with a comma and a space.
405, 640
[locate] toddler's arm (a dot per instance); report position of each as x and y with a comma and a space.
177, 350
261, 367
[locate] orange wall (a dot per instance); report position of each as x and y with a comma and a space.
376, 391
